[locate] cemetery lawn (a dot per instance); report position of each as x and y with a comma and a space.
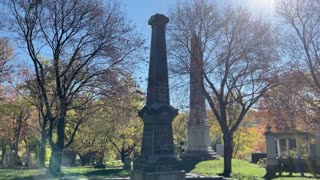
241, 170
79, 172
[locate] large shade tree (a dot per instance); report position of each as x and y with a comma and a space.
239, 54
82, 42
116, 124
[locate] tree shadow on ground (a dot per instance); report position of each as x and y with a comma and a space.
108, 173
95, 173
298, 176
39, 176
189, 164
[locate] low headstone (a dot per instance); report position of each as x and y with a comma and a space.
313, 150
255, 157
220, 149
8, 160
69, 158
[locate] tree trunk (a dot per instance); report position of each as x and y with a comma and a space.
28, 158
123, 155
43, 144
55, 161
227, 139
17, 138
82, 159
3, 154
57, 148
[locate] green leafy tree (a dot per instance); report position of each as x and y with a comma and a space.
179, 127
83, 41
116, 124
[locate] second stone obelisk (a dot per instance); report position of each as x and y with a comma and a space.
157, 160
198, 148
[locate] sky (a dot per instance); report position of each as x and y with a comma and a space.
139, 12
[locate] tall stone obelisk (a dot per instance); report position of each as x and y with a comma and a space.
198, 145
157, 160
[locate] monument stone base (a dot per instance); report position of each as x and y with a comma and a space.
165, 175
200, 155
199, 144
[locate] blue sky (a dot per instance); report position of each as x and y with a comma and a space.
139, 12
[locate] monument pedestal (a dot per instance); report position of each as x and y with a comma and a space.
198, 147
157, 160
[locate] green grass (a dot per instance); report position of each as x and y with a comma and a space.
68, 173
241, 170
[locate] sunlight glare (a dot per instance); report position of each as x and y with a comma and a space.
261, 6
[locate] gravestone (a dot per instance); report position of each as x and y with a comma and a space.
198, 145
317, 154
69, 158
220, 149
157, 160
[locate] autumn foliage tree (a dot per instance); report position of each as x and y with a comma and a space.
239, 54
288, 107
82, 42
17, 125
6, 54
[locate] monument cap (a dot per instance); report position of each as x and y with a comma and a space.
158, 19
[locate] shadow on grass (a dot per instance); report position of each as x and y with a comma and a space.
28, 177
108, 173
298, 176
44, 174
188, 164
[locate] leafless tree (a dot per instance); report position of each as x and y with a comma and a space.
239, 54
300, 24
73, 45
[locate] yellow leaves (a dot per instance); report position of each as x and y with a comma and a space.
6, 51
249, 137
71, 113
179, 126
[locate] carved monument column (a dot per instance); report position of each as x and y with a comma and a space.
157, 160
278, 147
272, 161
288, 146
198, 145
